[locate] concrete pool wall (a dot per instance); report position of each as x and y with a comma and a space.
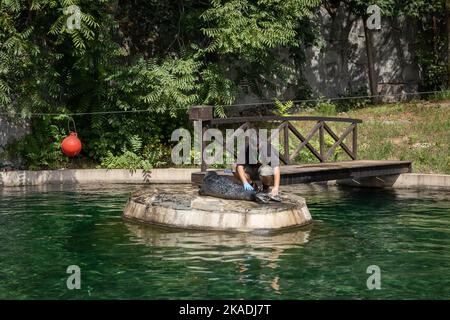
402, 181
183, 175
87, 176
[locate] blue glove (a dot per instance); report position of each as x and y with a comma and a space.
248, 187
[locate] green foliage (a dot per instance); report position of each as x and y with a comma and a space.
431, 49
134, 156
326, 108
247, 38
282, 109
217, 89
161, 87
441, 95
53, 69
135, 143
152, 60
41, 149
127, 160
251, 28
353, 100
176, 56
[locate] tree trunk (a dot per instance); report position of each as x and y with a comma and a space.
447, 6
371, 62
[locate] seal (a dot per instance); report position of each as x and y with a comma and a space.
222, 187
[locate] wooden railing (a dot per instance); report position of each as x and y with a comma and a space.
205, 115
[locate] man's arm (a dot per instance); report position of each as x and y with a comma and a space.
243, 177
276, 180
241, 174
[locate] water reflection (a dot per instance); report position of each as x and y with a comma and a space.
258, 245
240, 249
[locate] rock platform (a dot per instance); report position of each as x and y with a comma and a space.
182, 207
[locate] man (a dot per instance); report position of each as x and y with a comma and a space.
248, 173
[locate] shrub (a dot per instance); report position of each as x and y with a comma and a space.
326, 108
282, 109
352, 100
133, 156
441, 95
41, 149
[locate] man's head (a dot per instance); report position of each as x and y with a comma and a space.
266, 175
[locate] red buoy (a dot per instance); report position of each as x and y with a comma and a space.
71, 145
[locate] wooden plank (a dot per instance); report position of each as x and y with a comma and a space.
283, 157
280, 118
355, 169
286, 142
204, 165
321, 142
200, 112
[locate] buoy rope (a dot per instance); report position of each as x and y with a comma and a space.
297, 101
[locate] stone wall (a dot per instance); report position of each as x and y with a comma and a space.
338, 64
9, 131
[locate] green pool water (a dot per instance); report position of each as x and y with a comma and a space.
405, 233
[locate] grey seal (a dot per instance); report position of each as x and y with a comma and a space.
223, 187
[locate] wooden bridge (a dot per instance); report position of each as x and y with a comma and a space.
311, 172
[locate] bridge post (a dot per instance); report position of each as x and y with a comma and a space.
286, 143
321, 142
204, 114
355, 141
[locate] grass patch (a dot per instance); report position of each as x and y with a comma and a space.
419, 132
441, 95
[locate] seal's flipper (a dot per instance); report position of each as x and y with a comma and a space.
274, 198
262, 198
